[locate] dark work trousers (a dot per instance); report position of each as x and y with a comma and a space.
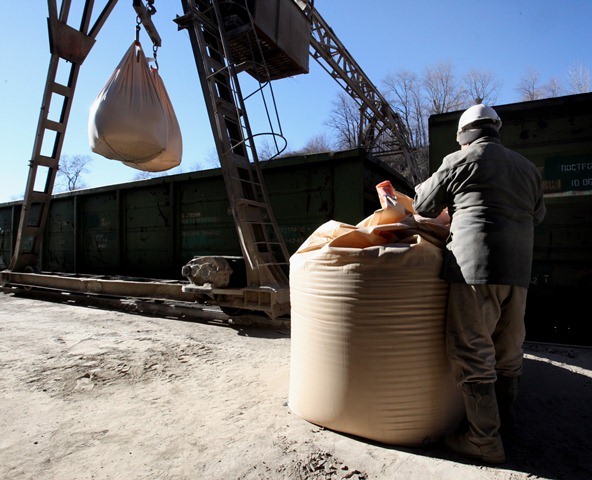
485, 331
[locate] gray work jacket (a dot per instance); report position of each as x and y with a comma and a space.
495, 198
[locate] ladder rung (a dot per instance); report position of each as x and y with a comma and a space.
237, 178
61, 89
48, 162
267, 243
35, 196
217, 67
251, 203
32, 231
229, 109
238, 159
271, 264
262, 224
209, 24
55, 126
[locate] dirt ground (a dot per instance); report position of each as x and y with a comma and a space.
87, 393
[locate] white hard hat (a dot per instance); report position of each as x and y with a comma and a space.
478, 113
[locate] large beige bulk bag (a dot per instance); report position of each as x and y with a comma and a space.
132, 119
368, 330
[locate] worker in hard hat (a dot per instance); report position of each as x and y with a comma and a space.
494, 197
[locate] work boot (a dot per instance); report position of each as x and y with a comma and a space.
506, 392
482, 441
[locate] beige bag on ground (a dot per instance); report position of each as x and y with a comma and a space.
368, 316
132, 118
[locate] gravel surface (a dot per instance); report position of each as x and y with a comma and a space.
87, 393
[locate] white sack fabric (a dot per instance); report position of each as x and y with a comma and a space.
368, 329
132, 119
171, 156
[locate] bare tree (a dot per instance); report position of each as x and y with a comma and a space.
552, 89
437, 92
481, 87
404, 91
71, 170
212, 160
270, 147
442, 91
345, 121
529, 87
578, 78
317, 144
143, 175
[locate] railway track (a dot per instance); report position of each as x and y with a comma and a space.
191, 311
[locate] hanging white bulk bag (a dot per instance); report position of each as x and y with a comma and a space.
171, 156
129, 120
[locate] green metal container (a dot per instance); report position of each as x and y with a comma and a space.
151, 228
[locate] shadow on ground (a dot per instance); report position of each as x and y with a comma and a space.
553, 425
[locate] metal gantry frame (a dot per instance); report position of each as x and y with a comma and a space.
264, 251
377, 118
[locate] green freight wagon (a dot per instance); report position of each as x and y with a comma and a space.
555, 134
151, 228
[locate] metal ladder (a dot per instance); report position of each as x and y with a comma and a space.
69, 48
262, 245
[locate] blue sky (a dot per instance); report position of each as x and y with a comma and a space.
505, 37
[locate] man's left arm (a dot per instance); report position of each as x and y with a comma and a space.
430, 196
